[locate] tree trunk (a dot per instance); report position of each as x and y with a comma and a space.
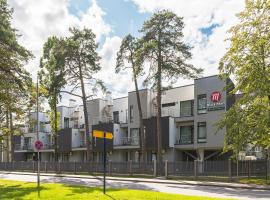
159, 132
11, 137
87, 129
7, 136
142, 136
55, 133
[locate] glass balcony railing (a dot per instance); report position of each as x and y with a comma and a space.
127, 141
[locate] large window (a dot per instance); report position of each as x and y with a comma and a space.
116, 117
66, 122
134, 136
186, 135
186, 108
202, 133
131, 113
202, 103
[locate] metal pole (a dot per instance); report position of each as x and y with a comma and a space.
38, 158
104, 163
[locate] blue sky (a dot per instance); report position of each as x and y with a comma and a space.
122, 15
206, 26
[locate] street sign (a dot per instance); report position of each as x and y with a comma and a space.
38, 145
105, 135
100, 134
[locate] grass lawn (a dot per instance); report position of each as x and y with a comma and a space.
10, 190
258, 181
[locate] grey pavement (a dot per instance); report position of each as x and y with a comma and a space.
159, 185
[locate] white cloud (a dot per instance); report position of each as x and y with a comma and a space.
37, 20
120, 83
199, 14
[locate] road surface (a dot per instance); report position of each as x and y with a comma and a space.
185, 189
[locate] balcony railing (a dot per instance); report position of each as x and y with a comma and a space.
19, 147
185, 139
48, 146
82, 143
128, 141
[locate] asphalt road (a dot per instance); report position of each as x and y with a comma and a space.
196, 190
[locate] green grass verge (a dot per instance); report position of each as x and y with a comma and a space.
10, 190
257, 181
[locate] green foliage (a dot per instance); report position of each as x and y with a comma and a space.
128, 52
15, 81
81, 65
163, 43
247, 59
52, 75
56, 122
163, 47
81, 55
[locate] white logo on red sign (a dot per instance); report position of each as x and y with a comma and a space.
38, 145
215, 96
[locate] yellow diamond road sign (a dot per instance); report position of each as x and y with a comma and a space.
100, 134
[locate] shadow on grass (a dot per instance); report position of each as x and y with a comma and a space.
18, 191
76, 189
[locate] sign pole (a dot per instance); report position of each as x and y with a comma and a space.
104, 163
38, 156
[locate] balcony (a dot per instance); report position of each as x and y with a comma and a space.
82, 143
48, 146
26, 147
128, 141
186, 135
184, 140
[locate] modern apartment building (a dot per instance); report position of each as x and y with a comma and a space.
189, 131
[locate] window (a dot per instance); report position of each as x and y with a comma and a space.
134, 136
186, 135
186, 108
202, 102
116, 117
202, 132
27, 141
131, 113
168, 104
66, 122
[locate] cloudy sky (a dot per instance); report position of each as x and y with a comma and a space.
206, 26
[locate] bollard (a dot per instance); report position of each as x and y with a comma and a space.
230, 169
195, 169
59, 167
110, 167
33, 166
237, 169
130, 167
166, 169
75, 167
155, 168
45, 166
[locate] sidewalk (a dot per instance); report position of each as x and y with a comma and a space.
152, 180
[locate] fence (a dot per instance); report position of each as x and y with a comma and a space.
226, 169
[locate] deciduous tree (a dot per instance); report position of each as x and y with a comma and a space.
52, 77
247, 59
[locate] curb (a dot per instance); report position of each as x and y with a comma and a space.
157, 181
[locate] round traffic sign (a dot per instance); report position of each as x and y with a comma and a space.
38, 145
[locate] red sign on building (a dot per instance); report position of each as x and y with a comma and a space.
215, 96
